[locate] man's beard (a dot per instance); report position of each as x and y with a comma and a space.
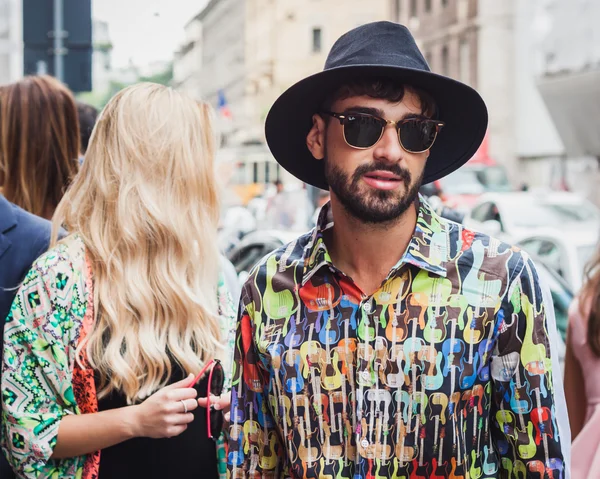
376, 206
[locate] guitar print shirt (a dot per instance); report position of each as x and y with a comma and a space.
444, 372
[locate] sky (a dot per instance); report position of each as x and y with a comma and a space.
145, 30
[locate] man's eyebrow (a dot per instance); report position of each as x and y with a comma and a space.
379, 113
364, 109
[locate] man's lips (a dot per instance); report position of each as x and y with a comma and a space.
382, 180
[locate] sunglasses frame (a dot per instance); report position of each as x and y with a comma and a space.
211, 364
343, 119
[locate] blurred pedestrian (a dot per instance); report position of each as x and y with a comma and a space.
23, 237
111, 325
87, 115
582, 375
39, 143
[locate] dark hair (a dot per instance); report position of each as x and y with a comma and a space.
381, 88
589, 302
39, 143
87, 119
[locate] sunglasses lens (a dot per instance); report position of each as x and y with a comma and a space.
362, 131
417, 135
217, 380
216, 423
216, 388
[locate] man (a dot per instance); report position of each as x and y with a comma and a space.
390, 342
23, 237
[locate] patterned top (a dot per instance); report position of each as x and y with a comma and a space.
445, 371
41, 380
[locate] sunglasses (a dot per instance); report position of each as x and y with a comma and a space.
362, 131
216, 379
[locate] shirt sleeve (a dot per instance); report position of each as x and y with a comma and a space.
36, 373
524, 409
255, 448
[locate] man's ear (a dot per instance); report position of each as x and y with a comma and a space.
315, 140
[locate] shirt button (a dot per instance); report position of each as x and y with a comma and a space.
364, 443
367, 307
366, 375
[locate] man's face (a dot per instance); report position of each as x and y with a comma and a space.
378, 184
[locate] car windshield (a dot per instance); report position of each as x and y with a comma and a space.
525, 214
475, 181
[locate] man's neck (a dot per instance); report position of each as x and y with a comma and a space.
367, 252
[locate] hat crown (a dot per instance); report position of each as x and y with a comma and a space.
378, 43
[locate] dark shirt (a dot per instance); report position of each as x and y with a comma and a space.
190, 455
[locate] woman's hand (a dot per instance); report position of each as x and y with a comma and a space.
220, 403
167, 412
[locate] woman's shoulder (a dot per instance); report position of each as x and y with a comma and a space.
60, 274
66, 255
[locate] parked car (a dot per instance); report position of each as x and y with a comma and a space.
255, 246
512, 216
564, 251
461, 189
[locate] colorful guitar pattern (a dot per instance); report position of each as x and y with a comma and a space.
445, 371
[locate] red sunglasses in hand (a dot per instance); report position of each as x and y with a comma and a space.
216, 379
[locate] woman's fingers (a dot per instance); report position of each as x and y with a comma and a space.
203, 402
220, 403
186, 405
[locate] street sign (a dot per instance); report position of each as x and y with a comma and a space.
57, 37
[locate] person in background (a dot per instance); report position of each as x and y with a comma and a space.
23, 237
322, 199
111, 325
87, 119
39, 143
582, 375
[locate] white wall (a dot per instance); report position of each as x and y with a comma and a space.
11, 43
496, 78
535, 132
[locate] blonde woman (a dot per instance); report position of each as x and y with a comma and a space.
112, 324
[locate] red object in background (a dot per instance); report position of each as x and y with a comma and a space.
482, 155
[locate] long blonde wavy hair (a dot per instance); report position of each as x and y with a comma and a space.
145, 204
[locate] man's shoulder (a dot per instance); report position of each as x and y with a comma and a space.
490, 254
30, 230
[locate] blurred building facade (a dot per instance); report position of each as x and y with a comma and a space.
247, 52
11, 42
252, 50
210, 65
569, 79
101, 56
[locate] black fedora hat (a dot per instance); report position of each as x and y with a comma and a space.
380, 49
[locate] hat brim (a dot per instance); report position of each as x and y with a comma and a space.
459, 106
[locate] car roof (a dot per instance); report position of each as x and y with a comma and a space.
575, 236
543, 196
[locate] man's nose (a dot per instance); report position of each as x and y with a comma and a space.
388, 148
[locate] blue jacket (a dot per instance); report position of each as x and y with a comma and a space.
23, 237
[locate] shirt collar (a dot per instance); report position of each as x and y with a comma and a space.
428, 248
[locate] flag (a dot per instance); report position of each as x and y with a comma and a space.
224, 106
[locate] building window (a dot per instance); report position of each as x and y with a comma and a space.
445, 61
413, 8
428, 6
396, 10
317, 40
465, 61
